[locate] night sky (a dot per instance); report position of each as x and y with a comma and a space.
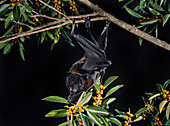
24, 84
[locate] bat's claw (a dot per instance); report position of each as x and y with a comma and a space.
107, 23
87, 22
73, 28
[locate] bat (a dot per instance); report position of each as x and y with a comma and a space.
91, 67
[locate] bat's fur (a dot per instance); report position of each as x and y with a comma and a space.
91, 67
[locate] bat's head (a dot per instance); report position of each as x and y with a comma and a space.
74, 83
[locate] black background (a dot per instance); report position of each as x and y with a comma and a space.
24, 84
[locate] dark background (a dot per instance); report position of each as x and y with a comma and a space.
24, 84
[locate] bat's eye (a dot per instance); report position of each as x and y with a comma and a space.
79, 84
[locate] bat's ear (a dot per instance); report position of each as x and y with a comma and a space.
102, 41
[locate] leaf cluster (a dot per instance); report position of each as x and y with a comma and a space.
23, 17
151, 15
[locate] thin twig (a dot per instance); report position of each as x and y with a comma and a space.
45, 16
128, 27
50, 28
20, 23
54, 9
3, 1
34, 29
49, 24
83, 16
25, 7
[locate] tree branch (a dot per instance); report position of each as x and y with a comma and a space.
20, 23
51, 23
54, 9
50, 28
45, 16
128, 27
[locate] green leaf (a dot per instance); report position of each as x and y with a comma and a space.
156, 31
156, 6
154, 96
159, 88
8, 48
165, 19
112, 90
149, 21
50, 35
161, 2
67, 39
133, 13
9, 31
115, 121
122, 116
86, 99
141, 110
21, 50
110, 80
120, 112
167, 123
29, 8
154, 12
56, 99
57, 113
161, 105
31, 22
8, 20
104, 120
84, 119
165, 85
16, 12
4, 9
168, 111
63, 124
81, 97
93, 118
138, 119
2, 45
127, 3
108, 101
141, 39
97, 110
97, 86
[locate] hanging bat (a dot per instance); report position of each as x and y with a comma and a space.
91, 67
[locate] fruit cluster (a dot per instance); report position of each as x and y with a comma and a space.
166, 95
151, 109
129, 119
73, 5
155, 17
76, 108
57, 2
157, 122
14, 2
80, 122
98, 98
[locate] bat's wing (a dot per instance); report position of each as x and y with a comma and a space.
102, 41
95, 56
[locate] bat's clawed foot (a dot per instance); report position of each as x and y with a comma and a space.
73, 28
107, 23
87, 22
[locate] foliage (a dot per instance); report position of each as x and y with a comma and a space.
151, 14
26, 16
86, 113
156, 108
